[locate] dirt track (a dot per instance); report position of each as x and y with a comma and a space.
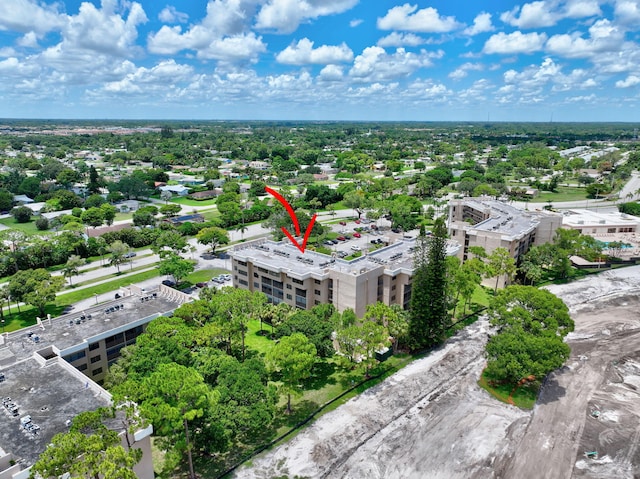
431, 420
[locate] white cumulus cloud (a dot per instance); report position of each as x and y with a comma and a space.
331, 73
628, 82
627, 12
482, 23
169, 14
464, 69
408, 18
516, 42
284, 16
30, 16
303, 53
546, 13
604, 36
375, 64
395, 39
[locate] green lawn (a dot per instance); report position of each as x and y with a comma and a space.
75, 296
125, 268
210, 214
29, 228
204, 275
181, 200
27, 316
565, 193
523, 397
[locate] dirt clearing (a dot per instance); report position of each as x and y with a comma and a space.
431, 420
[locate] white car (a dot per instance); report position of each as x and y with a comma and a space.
355, 247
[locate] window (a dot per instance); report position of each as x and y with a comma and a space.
242, 263
393, 288
243, 282
288, 296
297, 281
611, 230
82, 367
94, 346
95, 359
113, 340
75, 356
317, 281
317, 292
393, 298
96, 371
255, 275
242, 272
256, 284
288, 286
301, 298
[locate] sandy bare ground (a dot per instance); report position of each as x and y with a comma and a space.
431, 420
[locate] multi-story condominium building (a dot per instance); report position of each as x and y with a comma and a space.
492, 224
52, 371
280, 271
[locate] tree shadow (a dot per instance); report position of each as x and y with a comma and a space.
300, 412
321, 375
551, 391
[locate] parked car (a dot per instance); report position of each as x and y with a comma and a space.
357, 222
374, 227
347, 237
355, 247
168, 282
343, 223
357, 235
328, 242
342, 254
130, 254
341, 238
201, 285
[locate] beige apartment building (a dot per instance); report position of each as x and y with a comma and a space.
52, 371
280, 271
492, 224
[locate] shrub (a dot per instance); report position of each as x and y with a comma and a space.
42, 224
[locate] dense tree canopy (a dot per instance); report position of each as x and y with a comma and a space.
531, 326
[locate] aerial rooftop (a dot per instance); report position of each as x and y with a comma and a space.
284, 257
50, 395
504, 218
581, 217
71, 330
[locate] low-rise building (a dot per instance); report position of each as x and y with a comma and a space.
284, 274
595, 223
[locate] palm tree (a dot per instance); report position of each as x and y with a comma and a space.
71, 267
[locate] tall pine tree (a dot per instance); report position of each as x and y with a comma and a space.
429, 317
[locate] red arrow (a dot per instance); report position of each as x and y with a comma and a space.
294, 218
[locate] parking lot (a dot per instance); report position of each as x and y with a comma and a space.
361, 235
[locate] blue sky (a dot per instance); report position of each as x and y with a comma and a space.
382, 60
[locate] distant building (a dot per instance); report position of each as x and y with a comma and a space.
204, 195
179, 190
22, 199
595, 223
178, 220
